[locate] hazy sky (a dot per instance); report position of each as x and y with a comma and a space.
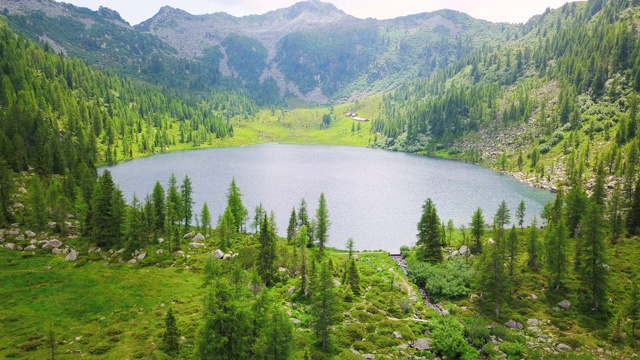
136, 11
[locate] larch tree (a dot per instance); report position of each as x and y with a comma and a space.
325, 305
301, 241
429, 234
492, 277
303, 214
322, 223
106, 212
205, 217
353, 277
512, 248
6, 191
171, 336
267, 252
520, 213
186, 195
260, 212
38, 210
135, 234
159, 214
174, 204
557, 237
500, 221
593, 268
533, 248
234, 202
226, 228
292, 227
477, 230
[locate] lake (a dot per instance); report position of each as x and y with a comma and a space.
373, 196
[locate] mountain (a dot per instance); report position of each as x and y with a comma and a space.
311, 50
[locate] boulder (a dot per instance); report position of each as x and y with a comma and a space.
296, 321
196, 245
18, 206
397, 335
72, 256
474, 298
10, 246
336, 283
55, 243
159, 252
188, 235
52, 224
132, 261
226, 257
491, 242
282, 270
218, 253
534, 297
512, 324
13, 232
464, 250
121, 251
291, 290
198, 238
33, 242
22, 190
141, 256
455, 253
565, 304
421, 344
533, 322
160, 240
30, 248
30, 234
180, 253
56, 251
563, 347
46, 246
368, 356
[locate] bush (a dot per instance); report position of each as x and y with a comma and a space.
448, 280
476, 332
447, 339
405, 251
513, 349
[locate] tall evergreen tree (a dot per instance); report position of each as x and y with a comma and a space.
576, 202
134, 227
500, 221
267, 252
257, 218
533, 248
353, 277
159, 216
303, 214
275, 337
291, 228
171, 336
614, 213
633, 304
493, 279
186, 194
234, 202
325, 305
6, 191
512, 248
174, 204
322, 223
557, 252
594, 269
633, 216
477, 230
429, 234
38, 203
205, 217
107, 210
301, 241
226, 228
520, 212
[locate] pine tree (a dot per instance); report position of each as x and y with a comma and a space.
134, 226
38, 205
594, 269
171, 336
159, 215
293, 225
226, 228
633, 216
303, 214
429, 234
267, 252
557, 252
493, 279
6, 191
301, 241
477, 230
353, 277
520, 212
512, 247
325, 305
186, 191
107, 210
533, 249
614, 212
274, 334
322, 223
205, 217
234, 202
500, 221
576, 202
633, 305
174, 204
350, 247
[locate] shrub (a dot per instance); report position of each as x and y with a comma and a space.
513, 349
448, 280
405, 251
476, 332
447, 338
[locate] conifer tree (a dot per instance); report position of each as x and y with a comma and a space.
520, 212
325, 305
633, 304
512, 247
477, 230
257, 218
576, 201
275, 334
429, 234
353, 277
226, 228
533, 249
301, 241
614, 213
322, 223
633, 216
557, 252
500, 220
303, 214
205, 217
107, 210
234, 202
159, 215
291, 228
267, 254
186, 190
350, 247
134, 226
594, 269
6, 191
38, 204
174, 204
493, 279
171, 336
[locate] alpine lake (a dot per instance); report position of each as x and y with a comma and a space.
373, 196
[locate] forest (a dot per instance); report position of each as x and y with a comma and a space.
168, 281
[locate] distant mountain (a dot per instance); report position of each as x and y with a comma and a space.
311, 50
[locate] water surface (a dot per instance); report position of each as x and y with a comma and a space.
373, 196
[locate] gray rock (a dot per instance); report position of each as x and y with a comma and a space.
159, 252
534, 297
160, 240
22, 190
10, 246
30, 248
94, 249
46, 246
563, 347
296, 321
474, 297
512, 324
336, 283
121, 251
368, 356
291, 290
218, 253
141, 256
132, 261
226, 257
282, 269
180, 253
533, 322
72, 256
565, 304
455, 253
196, 245
464, 250
397, 335
188, 235
55, 243
33, 242
198, 238
30, 234
19, 238
52, 224
421, 344
18, 206
56, 251
13, 232
491, 242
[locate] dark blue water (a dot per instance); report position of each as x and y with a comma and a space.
374, 196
